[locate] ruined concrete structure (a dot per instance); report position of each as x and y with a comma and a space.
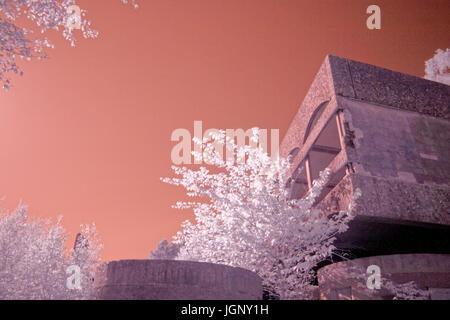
387, 134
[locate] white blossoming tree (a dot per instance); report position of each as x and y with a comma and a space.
438, 67
250, 221
17, 41
34, 260
165, 251
245, 217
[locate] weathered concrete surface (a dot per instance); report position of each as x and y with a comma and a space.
398, 90
395, 144
339, 77
175, 280
347, 280
378, 85
392, 199
394, 135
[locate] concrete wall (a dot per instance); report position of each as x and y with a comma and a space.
395, 145
339, 77
175, 280
340, 280
402, 145
394, 148
385, 198
402, 162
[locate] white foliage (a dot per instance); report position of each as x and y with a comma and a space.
405, 291
34, 260
399, 291
16, 41
438, 67
165, 251
245, 218
248, 219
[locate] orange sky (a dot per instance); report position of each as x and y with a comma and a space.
86, 134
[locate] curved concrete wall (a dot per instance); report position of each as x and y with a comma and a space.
338, 280
175, 280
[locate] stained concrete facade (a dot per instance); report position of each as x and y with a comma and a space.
388, 135
175, 280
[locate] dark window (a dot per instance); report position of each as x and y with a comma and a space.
299, 183
323, 151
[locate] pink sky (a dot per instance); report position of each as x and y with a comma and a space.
86, 134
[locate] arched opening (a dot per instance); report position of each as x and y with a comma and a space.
323, 151
314, 118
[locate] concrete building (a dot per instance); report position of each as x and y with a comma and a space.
387, 134
380, 131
